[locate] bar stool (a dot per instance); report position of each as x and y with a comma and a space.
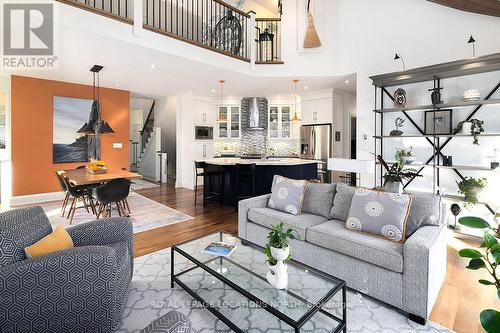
202, 170
244, 173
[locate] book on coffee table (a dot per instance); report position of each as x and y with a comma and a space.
219, 249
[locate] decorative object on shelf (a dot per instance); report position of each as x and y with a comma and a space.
494, 159
227, 34
398, 56
473, 42
400, 98
448, 160
436, 96
405, 155
455, 211
470, 187
398, 123
311, 39
395, 174
295, 118
473, 127
95, 127
487, 260
220, 115
96, 167
471, 95
438, 122
277, 252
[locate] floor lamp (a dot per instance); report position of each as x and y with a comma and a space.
354, 166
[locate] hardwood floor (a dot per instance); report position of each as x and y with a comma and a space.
459, 303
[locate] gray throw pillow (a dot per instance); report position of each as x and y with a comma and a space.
379, 213
425, 210
318, 199
287, 195
342, 202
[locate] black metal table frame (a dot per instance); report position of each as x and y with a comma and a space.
296, 324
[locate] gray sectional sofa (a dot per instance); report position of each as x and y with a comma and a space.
407, 276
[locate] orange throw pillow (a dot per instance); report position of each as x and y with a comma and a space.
58, 240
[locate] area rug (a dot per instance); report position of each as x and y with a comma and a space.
139, 184
151, 297
146, 214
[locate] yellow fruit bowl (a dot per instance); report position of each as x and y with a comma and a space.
96, 167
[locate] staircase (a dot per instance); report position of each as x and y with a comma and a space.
146, 136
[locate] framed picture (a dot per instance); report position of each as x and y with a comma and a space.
438, 121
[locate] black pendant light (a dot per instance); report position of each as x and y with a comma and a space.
95, 124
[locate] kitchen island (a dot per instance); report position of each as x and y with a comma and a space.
265, 171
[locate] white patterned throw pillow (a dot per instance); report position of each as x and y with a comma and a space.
379, 213
287, 195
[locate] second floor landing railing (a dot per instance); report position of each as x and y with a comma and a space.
211, 24
121, 10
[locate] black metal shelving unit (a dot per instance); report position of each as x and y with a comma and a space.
433, 74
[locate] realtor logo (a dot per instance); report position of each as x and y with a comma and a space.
28, 36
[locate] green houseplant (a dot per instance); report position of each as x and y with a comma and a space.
395, 174
488, 259
277, 252
476, 128
470, 187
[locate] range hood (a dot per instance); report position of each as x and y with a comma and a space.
254, 114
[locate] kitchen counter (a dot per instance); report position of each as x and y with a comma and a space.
259, 162
265, 171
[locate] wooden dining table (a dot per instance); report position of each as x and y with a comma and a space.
79, 177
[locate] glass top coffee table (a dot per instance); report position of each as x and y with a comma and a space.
235, 289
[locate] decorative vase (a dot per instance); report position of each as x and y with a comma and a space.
436, 96
278, 275
466, 128
393, 187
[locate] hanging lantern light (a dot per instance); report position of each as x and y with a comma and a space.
221, 118
266, 43
295, 118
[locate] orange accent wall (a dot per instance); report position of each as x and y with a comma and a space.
32, 126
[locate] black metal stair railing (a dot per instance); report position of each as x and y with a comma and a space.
268, 40
147, 130
211, 24
122, 10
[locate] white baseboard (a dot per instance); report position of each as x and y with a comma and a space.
31, 199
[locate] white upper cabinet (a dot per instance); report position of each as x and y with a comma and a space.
204, 114
279, 125
230, 127
317, 111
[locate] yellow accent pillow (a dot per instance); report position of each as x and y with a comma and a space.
58, 240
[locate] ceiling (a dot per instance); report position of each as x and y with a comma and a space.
130, 67
486, 7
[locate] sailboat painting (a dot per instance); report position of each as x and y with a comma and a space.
69, 116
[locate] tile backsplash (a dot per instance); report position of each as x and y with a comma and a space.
256, 141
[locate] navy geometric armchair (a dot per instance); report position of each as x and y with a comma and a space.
83, 289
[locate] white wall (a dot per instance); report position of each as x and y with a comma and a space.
166, 119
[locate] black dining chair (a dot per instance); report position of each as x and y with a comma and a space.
115, 192
78, 193
59, 176
245, 173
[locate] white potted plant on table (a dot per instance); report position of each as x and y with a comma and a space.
278, 253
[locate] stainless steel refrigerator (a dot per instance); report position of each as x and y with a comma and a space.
316, 144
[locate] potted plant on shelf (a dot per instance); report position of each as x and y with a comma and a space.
405, 155
278, 253
487, 259
473, 127
470, 187
395, 174
398, 123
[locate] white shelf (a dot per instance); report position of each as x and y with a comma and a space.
455, 105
